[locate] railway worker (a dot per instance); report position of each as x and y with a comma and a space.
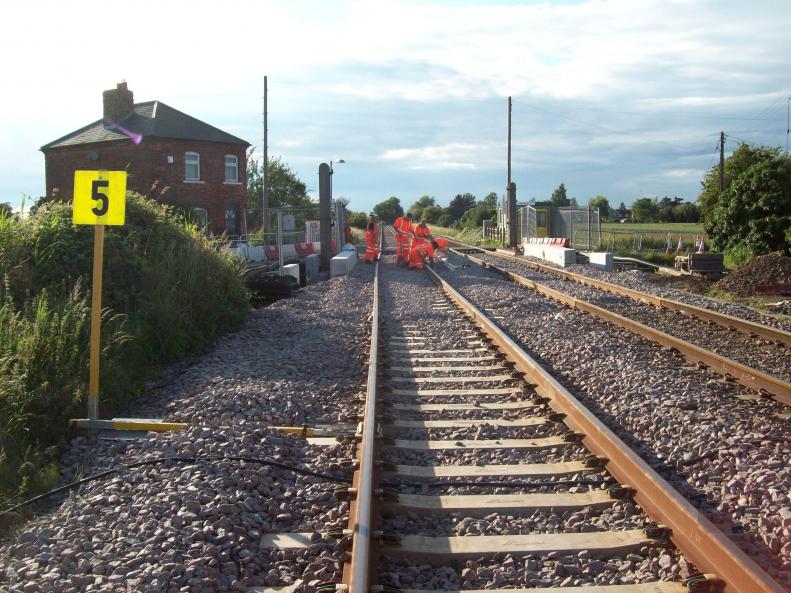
371, 241
403, 232
424, 252
421, 234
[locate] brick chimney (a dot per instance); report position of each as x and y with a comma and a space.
118, 103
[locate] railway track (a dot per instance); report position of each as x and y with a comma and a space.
755, 355
478, 470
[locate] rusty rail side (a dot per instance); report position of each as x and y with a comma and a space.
357, 572
747, 376
700, 541
730, 322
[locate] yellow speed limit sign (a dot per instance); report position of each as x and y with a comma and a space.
99, 197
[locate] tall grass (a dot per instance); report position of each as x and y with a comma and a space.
167, 294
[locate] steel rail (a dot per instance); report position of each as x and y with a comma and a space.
697, 538
751, 378
357, 572
730, 322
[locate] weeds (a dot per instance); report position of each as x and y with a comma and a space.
167, 294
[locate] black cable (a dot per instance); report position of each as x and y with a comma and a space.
109, 472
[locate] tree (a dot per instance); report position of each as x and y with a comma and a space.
357, 219
737, 163
602, 204
645, 210
432, 214
622, 211
474, 217
490, 201
424, 202
459, 205
283, 186
389, 209
755, 210
686, 212
559, 198
5, 210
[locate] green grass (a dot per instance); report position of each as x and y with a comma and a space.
687, 228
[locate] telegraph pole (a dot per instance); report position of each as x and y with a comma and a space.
265, 204
509, 211
788, 122
722, 161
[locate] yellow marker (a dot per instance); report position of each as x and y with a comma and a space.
99, 199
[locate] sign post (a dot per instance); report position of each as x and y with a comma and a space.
99, 200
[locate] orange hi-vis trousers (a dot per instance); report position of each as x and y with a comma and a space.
371, 246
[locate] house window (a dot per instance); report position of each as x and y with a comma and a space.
231, 220
231, 168
191, 166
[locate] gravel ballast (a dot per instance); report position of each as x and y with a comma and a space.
197, 526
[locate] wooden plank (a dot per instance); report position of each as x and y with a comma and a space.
491, 367
476, 358
464, 422
470, 379
472, 444
430, 472
655, 587
603, 542
443, 407
286, 540
322, 441
503, 503
433, 351
456, 392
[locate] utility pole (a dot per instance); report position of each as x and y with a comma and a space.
265, 205
788, 122
509, 210
722, 161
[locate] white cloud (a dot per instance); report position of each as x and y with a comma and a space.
449, 157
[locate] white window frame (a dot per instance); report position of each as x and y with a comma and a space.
235, 166
187, 163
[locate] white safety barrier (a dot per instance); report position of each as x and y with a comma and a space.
560, 256
343, 263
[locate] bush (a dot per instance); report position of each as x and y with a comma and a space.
357, 219
737, 256
167, 294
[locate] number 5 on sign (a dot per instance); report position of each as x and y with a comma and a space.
99, 197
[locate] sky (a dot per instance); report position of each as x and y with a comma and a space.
621, 98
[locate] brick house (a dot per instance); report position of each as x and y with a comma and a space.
170, 157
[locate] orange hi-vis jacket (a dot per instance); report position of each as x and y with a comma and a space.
403, 229
422, 233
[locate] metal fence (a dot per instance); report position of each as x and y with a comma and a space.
582, 226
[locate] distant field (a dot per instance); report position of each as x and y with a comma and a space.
687, 228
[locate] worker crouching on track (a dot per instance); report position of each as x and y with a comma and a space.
403, 232
421, 234
371, 241
424, 252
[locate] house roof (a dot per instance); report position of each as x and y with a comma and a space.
152, 119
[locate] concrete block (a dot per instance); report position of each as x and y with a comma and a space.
291, 270
555, 254
312, 267
601, 260
343, 263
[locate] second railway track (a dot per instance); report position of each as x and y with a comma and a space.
755, 355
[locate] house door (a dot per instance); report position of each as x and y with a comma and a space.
232, 219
